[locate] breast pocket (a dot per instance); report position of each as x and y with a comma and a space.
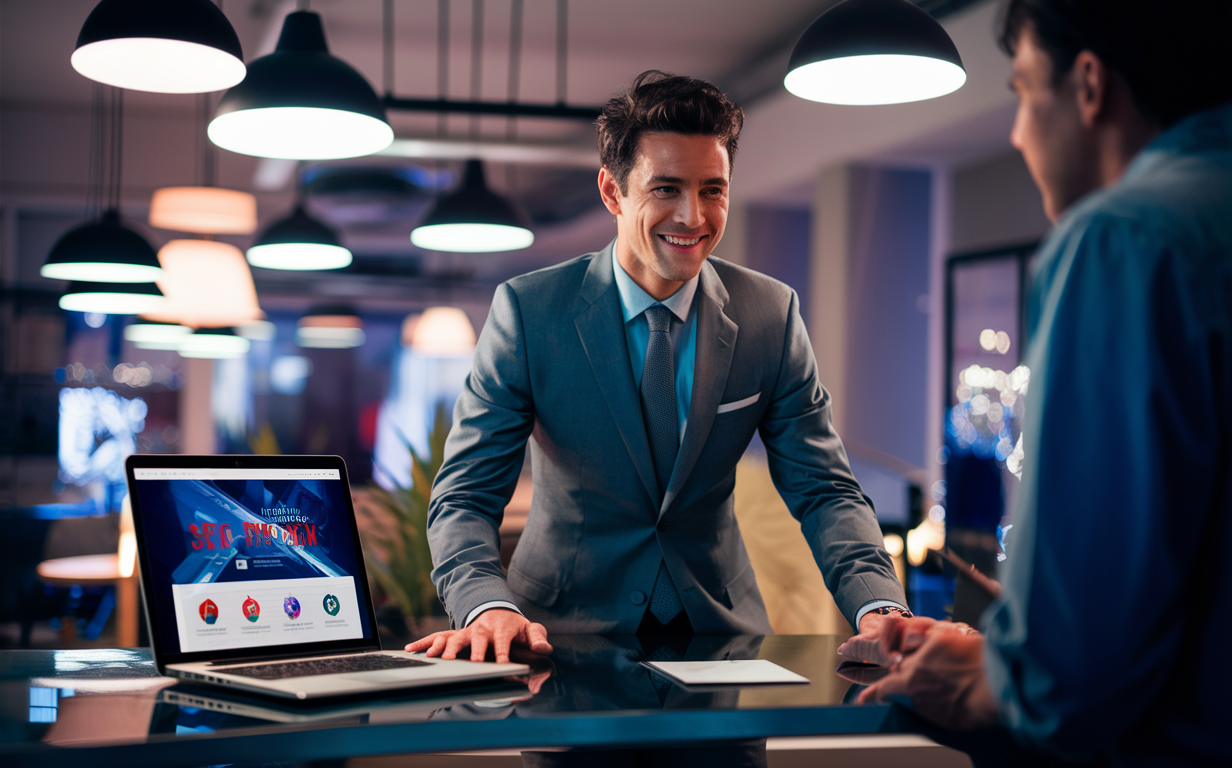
737, 405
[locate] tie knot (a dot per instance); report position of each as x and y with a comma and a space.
659, 317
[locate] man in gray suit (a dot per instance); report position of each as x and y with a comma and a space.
640, 373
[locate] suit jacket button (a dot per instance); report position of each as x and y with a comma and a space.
661, 527
637, 598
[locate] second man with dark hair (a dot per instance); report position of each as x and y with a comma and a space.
640, 374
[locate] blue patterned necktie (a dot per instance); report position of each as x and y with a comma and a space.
658, 392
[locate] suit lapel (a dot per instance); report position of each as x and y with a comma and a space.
601, 329
716, 342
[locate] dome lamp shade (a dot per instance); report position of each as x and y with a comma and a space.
473, 219
104, 251
864, 52
162, 46
301, 103
204, 210
330, 327
214, 344
298, 242
112, 298
150, 334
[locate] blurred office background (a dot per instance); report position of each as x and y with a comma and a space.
906, 230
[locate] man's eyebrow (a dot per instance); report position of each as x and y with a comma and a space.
677, 180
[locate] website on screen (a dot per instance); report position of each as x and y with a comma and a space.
245, 558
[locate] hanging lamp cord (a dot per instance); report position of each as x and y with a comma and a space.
442, 63
562, 50
476, 61
387, 44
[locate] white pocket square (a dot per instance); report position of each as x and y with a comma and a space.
737, 405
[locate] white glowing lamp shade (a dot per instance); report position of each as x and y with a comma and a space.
443, 332
157, 65
326, 330
214, 344
299, 102
865, 52
299, 242
148, 335
205, 210
875, 79
163, 46
300, 133
112, 298
472, 238
208, 285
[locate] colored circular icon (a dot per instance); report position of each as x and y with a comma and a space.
331, 605
252, 610
209, 612
291, 606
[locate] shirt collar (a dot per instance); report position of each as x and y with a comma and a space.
634, 301
1206, 130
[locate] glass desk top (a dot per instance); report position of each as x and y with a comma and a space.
593, 691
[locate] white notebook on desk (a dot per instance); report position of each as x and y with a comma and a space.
727, 672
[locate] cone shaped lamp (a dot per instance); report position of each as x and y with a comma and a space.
207, 283
164, 46
865, 52
301, 103
473, 219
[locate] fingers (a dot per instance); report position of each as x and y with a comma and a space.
537, 639
456, 643
479, 644
893, 684
427, 642
502, 638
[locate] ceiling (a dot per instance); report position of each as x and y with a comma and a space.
742, 46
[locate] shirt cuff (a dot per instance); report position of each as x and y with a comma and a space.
871, 605
487, 607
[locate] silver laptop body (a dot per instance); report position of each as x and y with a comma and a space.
253, 580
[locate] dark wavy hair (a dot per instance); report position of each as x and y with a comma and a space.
662, 102
1173, 55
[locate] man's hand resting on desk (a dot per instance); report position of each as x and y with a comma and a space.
497, 628
939, 666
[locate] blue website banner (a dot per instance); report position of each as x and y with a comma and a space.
222, 550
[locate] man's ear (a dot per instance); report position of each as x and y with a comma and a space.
1091, 76
609, 190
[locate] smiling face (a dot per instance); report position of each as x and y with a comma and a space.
674, 211
1051, 129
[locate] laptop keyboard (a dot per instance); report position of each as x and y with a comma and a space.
329, 666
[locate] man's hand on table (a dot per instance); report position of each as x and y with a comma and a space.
498, 629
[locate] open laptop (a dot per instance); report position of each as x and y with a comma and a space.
254, 580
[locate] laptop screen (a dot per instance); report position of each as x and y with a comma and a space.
244, 558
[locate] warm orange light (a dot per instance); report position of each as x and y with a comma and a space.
207, 210
207, 284
443, 332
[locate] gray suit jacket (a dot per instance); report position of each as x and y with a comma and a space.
552, 365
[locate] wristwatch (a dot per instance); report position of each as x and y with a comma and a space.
889, 610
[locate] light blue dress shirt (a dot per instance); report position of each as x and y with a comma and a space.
633, 305
1112, 629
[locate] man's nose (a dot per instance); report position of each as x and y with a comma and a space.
689, 212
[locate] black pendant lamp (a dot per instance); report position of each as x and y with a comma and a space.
164, 46
103, 251
298, 242
301, 103
473, 219
112, 298
874, 52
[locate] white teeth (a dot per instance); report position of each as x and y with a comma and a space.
681, 240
